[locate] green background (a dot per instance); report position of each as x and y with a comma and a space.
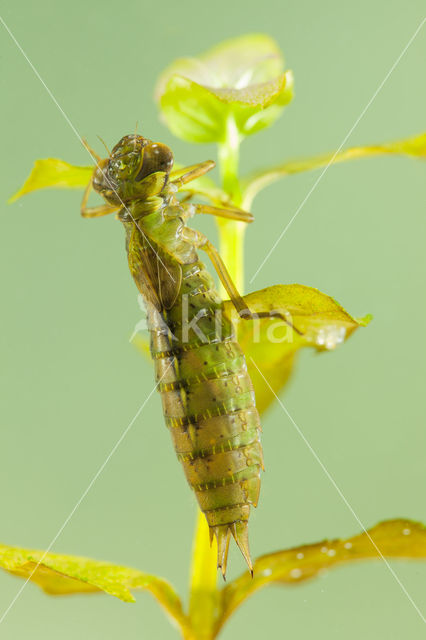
71, 381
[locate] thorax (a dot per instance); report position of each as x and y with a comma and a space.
160, 221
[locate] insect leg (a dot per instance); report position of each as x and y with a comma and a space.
192, 172
200, 241
232, 213
95, 212
187, 198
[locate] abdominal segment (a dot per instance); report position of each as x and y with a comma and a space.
209, 408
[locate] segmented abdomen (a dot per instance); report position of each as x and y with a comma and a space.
209, 407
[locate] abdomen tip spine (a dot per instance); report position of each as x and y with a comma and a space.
222, 533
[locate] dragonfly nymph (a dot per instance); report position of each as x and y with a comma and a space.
207, 395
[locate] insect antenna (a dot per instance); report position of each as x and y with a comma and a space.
134, 135
90, 150
104, 143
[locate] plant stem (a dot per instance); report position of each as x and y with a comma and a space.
231, 233
204, 594
231, 237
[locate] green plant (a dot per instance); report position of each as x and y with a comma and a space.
235, 90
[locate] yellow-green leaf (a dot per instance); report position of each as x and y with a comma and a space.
244, 60
263, 103
256, 95
238, 62
240, 80
192, 112
64, 575
402, 539
272, 344
142, 345
52, 172
197, 113
415, 147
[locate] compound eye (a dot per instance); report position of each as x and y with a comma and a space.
124, 166
97, 181
157, 157
99, 176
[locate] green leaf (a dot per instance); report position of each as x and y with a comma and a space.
64, 575
415, 147
402, 539
241, 79
51, 172
272, 345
